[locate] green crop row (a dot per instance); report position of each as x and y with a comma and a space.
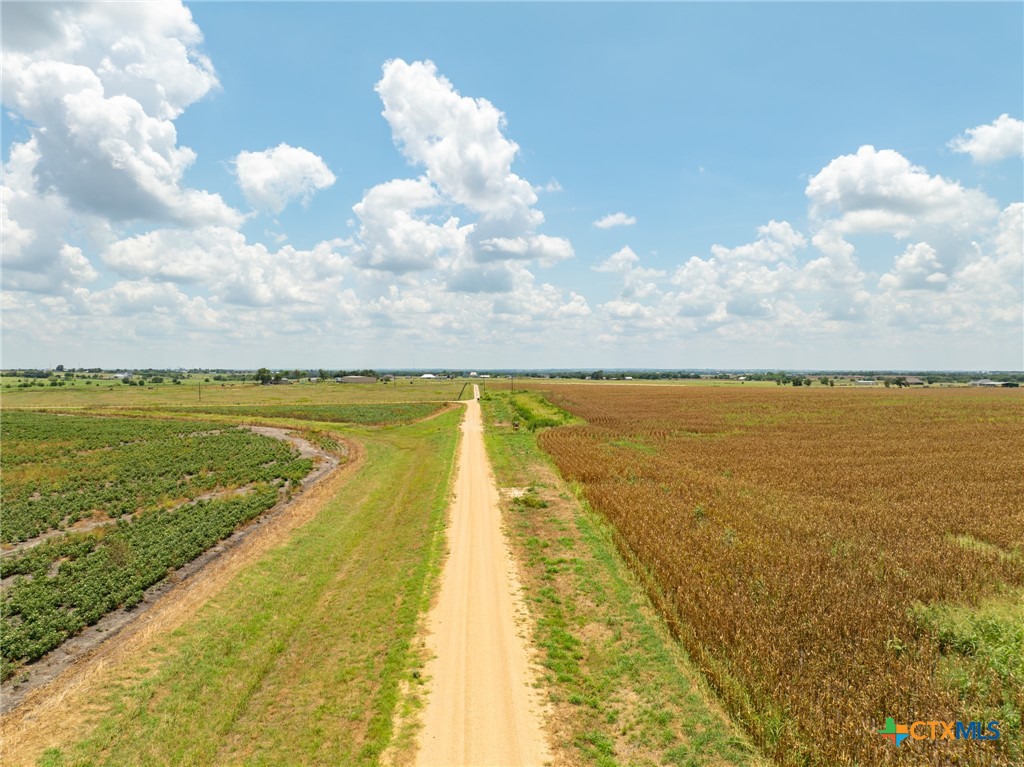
147, 484
60, 469
71, 583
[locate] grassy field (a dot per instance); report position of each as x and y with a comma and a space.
828, 557
297, 659
620, 689
197, 391
354, 413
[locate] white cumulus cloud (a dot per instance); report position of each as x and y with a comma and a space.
881, 191
106, 248
1002, 138
620, 261
232, 270
273, 178
749, 280
916, 268
459, 140
395, 232
637, 281
35, 256
615, 219
468, 215
101, 84
550, 187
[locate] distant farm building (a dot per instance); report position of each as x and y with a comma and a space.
914, 381
865, 382
428, 375
473, 375
990, 383
357, 379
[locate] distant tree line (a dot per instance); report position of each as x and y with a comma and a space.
40, 376
266, 375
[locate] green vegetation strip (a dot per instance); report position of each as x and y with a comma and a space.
298, 660
621, 691
536, 412
77, 579
59, 469
365, 414
982, 650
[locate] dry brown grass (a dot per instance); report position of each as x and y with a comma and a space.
788, 533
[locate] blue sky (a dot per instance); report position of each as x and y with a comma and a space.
800, 185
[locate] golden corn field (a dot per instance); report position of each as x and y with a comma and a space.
829, 557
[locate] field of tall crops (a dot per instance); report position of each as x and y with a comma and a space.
829, 558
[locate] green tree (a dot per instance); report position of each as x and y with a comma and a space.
263, 375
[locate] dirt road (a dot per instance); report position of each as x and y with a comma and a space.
481, 707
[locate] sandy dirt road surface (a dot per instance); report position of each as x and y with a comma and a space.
482, 708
